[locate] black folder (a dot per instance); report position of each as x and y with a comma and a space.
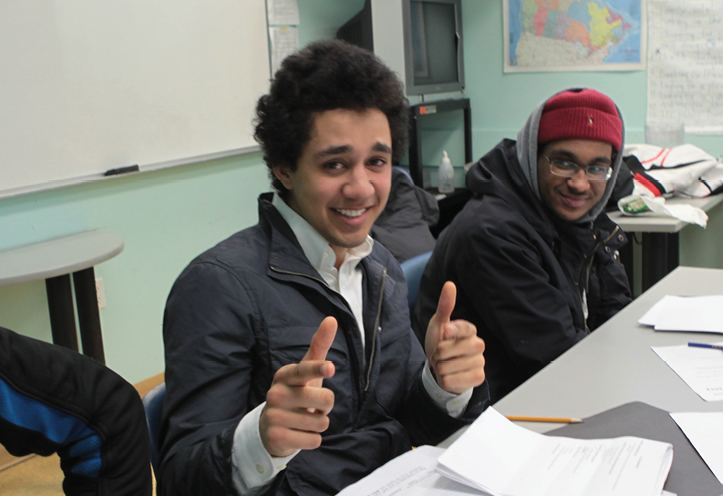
689, 475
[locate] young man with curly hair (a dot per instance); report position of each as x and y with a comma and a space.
291, 365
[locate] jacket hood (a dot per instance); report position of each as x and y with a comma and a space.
527, 157
498, 174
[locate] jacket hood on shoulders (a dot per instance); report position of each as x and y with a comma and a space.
498, 174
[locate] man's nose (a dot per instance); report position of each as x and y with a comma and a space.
579, 182
359, 184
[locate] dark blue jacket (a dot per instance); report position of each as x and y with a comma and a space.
249, 306
523, 275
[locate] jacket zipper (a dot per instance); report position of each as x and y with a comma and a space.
591, 255
376, 329
376, 320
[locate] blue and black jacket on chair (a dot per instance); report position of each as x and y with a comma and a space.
55, 400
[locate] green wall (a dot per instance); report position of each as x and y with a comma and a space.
165, 218
502, 102
168, 217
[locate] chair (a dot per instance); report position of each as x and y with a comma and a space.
153, 403
413, 269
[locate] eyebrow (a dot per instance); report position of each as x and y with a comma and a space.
341, 149
566, 155
381, 147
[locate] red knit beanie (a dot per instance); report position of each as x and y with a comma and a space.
581, 114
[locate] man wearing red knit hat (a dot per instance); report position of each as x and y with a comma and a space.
533, 254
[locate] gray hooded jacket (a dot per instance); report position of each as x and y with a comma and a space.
532, 283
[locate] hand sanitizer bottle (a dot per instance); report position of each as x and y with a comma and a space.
446, 175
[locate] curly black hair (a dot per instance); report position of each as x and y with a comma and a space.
325, 75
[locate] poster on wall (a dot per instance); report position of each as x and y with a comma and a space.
685, 65
574, 35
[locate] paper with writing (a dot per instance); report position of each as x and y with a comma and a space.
700, 368
504, 459
411, 474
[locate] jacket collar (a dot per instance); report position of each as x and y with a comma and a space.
287, 255
287, 262
285, 252
317, 249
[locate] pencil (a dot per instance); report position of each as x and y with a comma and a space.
559, 420
705, 345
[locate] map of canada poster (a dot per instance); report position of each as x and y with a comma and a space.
574, 35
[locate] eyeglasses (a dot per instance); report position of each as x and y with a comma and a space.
564, 168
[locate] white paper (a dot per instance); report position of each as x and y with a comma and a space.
284, 41
694, 313
412, 473
652, 315
684, 64
504, 459
686, 314
700, 368
705, 433
282, 12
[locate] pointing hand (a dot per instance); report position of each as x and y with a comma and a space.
297, 406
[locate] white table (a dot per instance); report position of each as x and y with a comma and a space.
615, 365
54, 261
660, 238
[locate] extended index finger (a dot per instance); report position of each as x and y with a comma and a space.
322, 340
299, 374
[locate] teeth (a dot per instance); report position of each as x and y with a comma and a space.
351, 213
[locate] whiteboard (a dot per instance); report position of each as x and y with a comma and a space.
88, 85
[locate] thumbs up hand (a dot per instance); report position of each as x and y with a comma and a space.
454, 350
297, 406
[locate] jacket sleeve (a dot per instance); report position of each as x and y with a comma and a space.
427, 423
519, 292
210, 343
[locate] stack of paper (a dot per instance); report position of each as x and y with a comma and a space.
503, 459
686, 313
413, 473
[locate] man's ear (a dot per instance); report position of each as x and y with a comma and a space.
283, 174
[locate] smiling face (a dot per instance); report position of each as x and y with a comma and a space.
572, 197
343, 176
